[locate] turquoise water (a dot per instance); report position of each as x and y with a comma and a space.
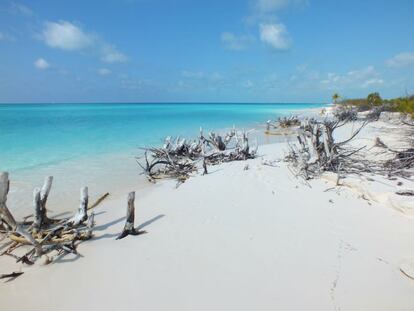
35, 135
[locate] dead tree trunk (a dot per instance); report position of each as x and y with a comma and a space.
130, 219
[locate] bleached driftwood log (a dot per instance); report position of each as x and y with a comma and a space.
40, 197
318, 152
44, 235
180, 157
8, 221
130, 219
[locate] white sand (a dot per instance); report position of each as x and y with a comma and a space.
235, 239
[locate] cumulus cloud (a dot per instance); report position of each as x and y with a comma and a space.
67, 36
110, 54
371, 82
233, 42
361, 78
104, 71
401, 60
41, 64
275, 35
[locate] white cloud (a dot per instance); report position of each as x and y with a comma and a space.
41, 64
66, 36
104, 71
111, 55
233, 42
265, 12
361, 78
362, 73
401, 60
275, 35
372, 82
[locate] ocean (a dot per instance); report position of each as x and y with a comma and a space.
95, 144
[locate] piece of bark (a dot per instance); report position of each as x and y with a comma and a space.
130, 219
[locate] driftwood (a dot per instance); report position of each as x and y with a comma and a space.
345, 113
317, 151
130, 219
179, 158
82, 213
282, 122
405, 193
99, 201
403, 161
46, 237
375, 113
286, 122
43, 235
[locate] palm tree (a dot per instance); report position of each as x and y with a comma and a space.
335, 98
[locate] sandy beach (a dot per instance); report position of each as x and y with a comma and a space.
249, 235
253, 155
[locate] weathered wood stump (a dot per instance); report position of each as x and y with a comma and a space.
7, 219
130, 219
82, 214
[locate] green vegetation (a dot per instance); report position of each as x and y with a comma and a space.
374, 100
335, 98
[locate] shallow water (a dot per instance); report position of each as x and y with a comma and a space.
95, 144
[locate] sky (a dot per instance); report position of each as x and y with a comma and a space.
204, 51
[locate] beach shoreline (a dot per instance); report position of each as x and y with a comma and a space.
124, 172
247, 235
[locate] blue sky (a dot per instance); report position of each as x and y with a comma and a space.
204, 51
